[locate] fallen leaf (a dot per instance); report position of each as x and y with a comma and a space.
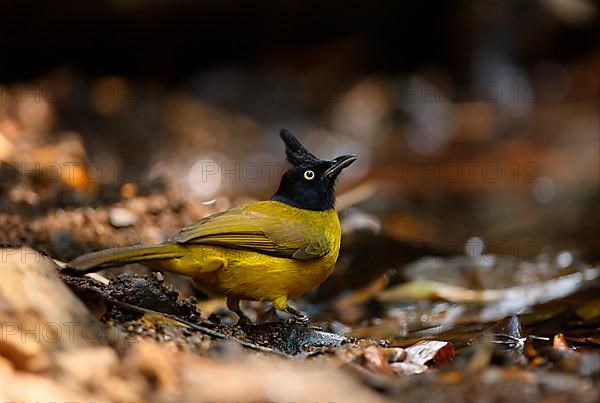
498, 302
525, 295
430, 350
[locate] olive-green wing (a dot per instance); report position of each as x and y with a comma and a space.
258, 231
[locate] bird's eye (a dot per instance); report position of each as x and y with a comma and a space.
309, 175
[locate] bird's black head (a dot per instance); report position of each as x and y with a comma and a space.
310, 182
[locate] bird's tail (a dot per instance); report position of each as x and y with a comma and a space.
103, 259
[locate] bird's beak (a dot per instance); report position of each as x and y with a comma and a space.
338, 164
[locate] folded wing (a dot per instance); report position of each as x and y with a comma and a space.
265, 232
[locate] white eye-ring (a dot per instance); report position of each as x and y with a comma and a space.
309, 175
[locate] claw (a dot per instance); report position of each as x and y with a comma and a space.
297, 316
298, 321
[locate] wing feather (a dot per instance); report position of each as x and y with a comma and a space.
263, 232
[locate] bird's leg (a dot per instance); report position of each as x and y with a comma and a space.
282, 305
234, 305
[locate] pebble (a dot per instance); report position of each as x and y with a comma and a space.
120, 217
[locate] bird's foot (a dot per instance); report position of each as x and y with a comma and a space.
305, 321
234, 305
298, 317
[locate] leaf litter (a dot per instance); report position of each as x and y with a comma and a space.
451, 327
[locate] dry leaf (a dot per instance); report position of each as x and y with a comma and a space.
430, 350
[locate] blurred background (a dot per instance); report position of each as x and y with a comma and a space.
476, 122
471, 220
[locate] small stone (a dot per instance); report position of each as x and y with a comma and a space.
120, 217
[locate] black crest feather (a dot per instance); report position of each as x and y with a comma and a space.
296, 153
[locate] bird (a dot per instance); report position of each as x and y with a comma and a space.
272, 250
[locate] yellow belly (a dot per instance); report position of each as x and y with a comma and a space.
255, 276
